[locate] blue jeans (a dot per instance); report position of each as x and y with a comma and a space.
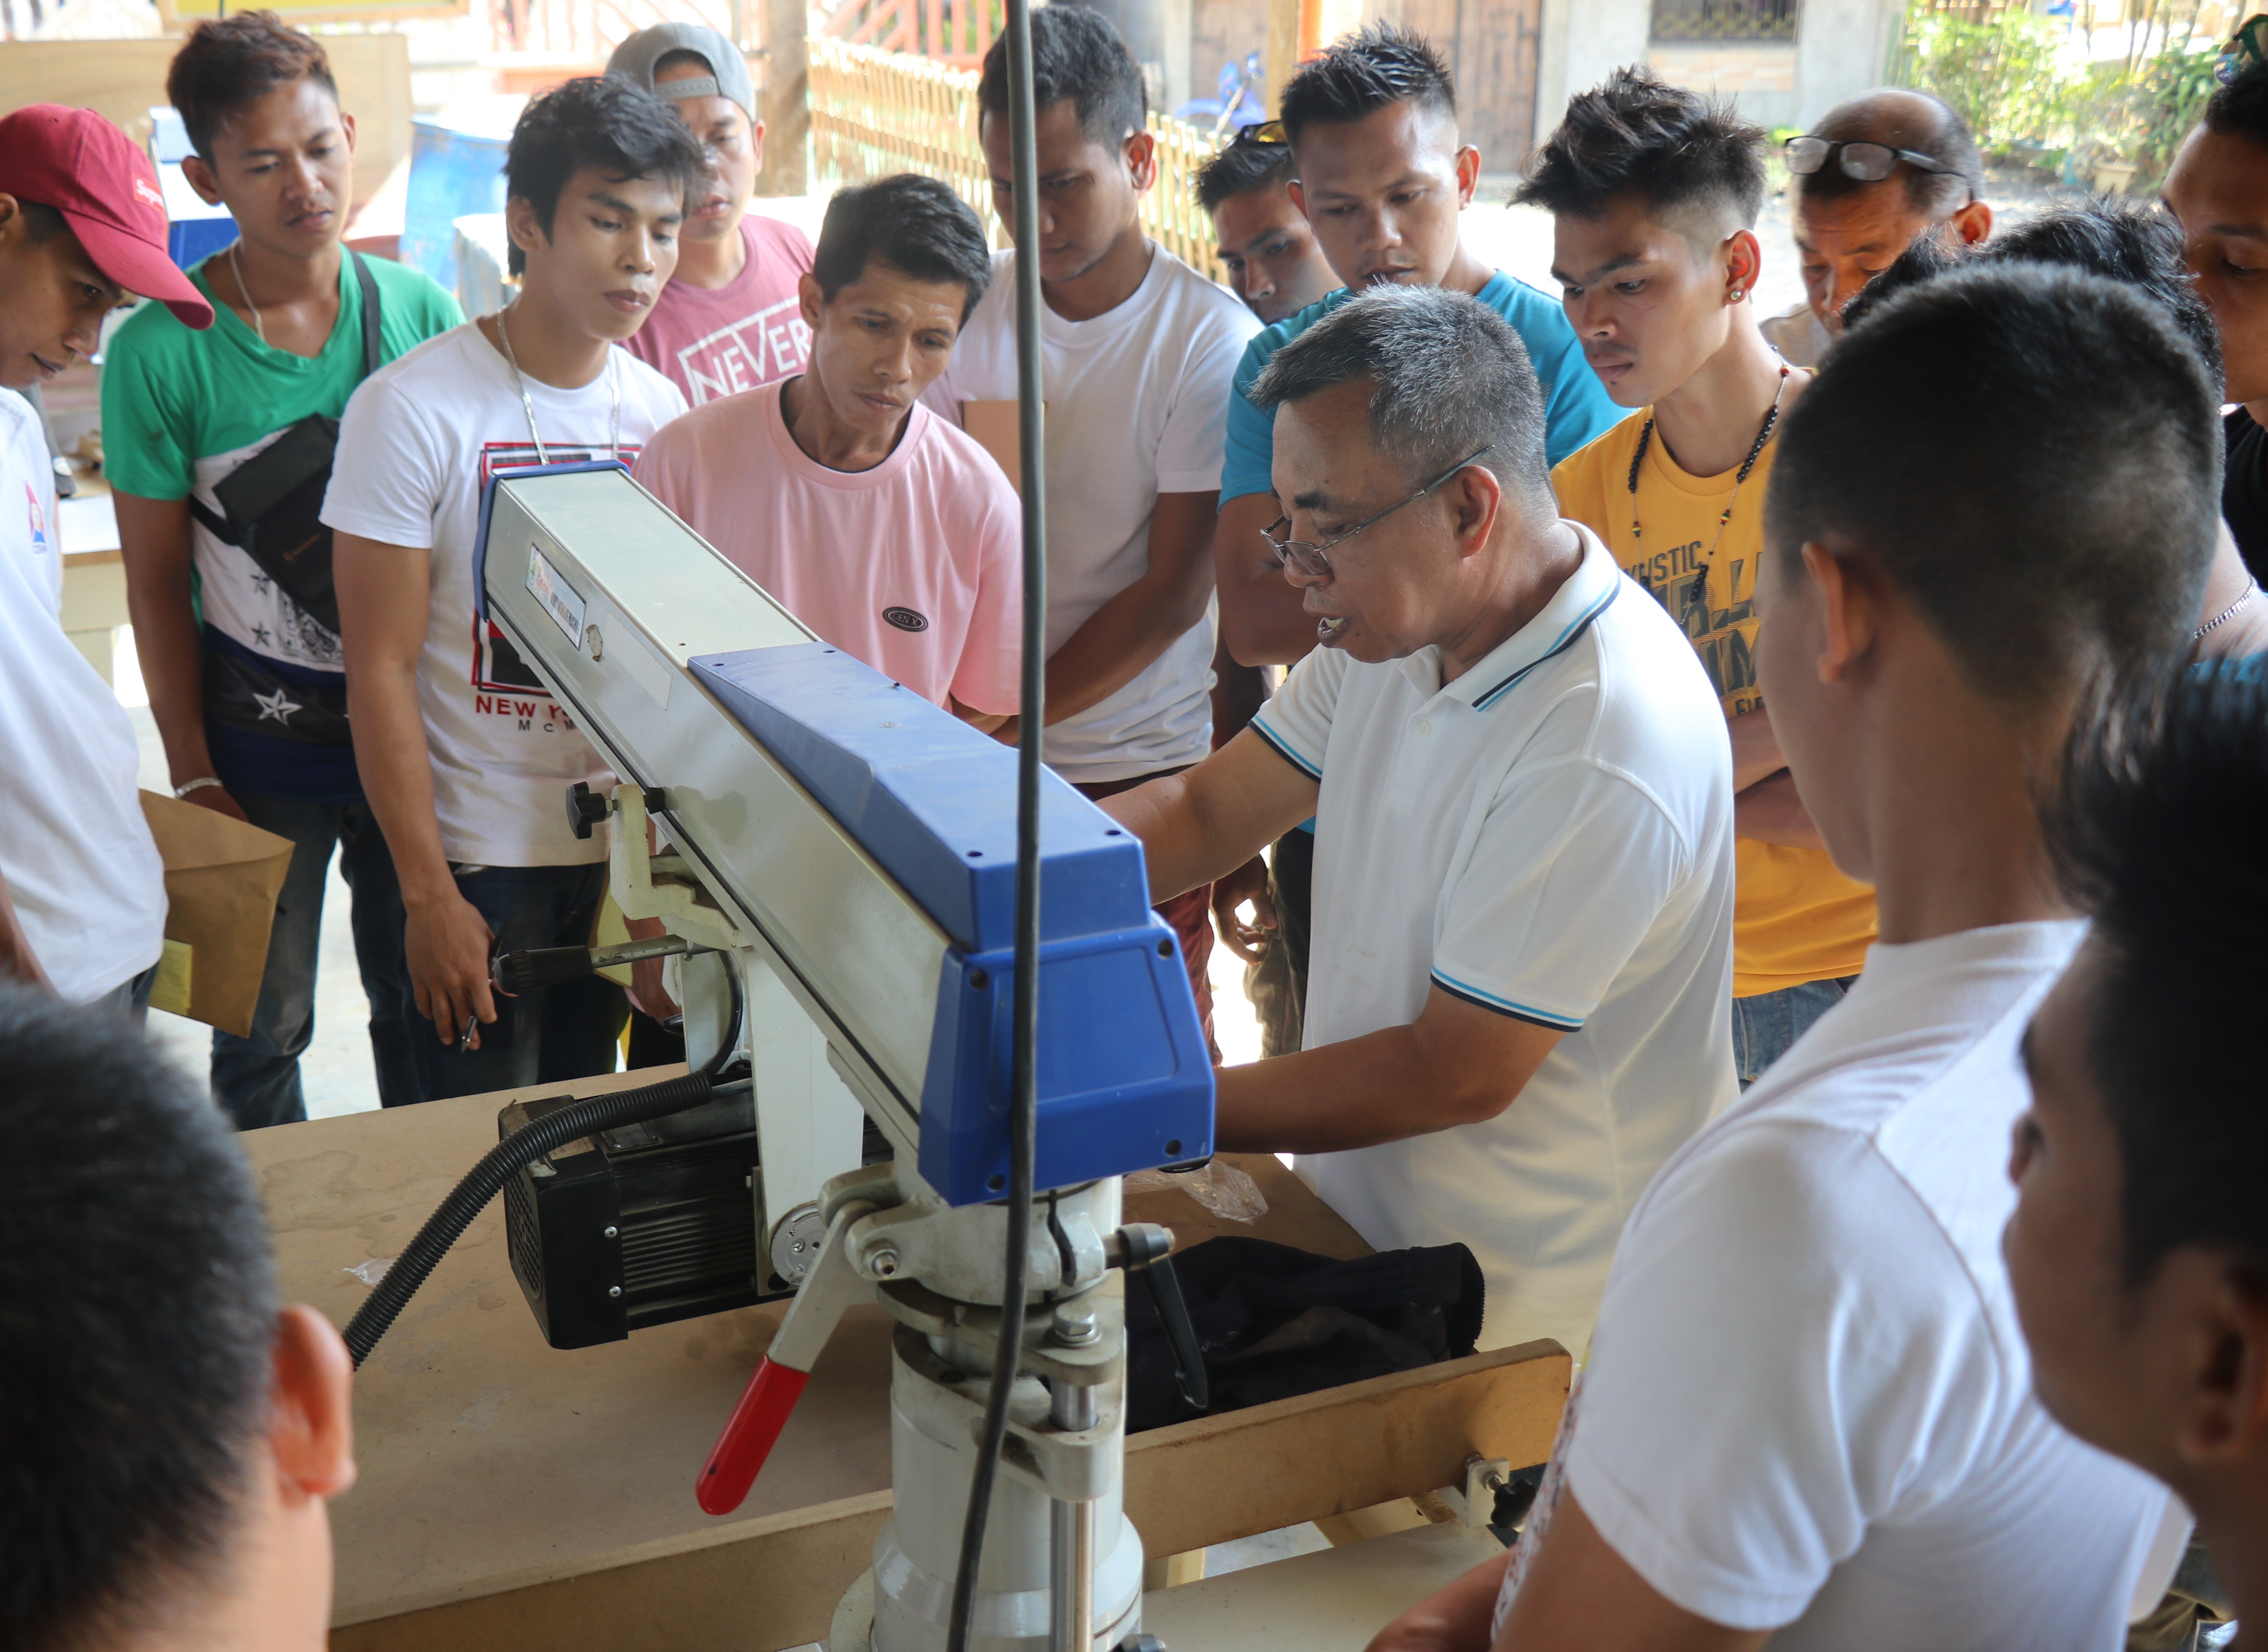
131, 997
553, 1036
256, 1079
1765, 1026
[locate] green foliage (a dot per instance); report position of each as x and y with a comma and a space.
2005, 76
2025, 93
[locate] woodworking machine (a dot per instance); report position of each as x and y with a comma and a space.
834, 859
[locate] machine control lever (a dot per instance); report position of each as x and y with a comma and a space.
754, 1426
552, 965
1145, 1248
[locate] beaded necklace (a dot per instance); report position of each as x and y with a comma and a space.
1756, 448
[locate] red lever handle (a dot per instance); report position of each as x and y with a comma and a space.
755, 1426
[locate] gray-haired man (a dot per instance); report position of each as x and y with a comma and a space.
1522, 951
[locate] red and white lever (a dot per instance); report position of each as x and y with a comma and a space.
754, 1429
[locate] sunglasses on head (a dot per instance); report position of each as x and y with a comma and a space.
1869, 163
1267, 134
2246, 54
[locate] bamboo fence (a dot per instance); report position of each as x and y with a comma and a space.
874, 112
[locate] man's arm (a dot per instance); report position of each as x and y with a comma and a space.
1770, 811
385, 593
17, 957
1766, 805
1580, 1596
1262, 620
1121, 637
1203, 823
1451, 1619
153, 535
1457, 1063
1238, 693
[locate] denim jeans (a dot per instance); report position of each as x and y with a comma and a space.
256, 1079
1765, 1026
549, 1037
131, 997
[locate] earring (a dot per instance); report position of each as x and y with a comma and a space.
1739, 293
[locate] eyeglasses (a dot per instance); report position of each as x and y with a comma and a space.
1309, 561
2245, 55
1869, 163
1266, 134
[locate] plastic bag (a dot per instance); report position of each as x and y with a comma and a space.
372, 1271
1219, 1187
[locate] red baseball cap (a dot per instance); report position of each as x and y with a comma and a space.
88, 171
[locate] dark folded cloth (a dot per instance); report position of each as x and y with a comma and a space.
1274, 1322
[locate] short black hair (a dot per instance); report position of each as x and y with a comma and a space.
1241, 169
1903, 118
229, 61
41, 222
2156, 834
1635, 136
2033, 455
2239, 111
137, 1316
1075, 54
606, 121
916, 224
2122, 239
1361, 73
1450, 381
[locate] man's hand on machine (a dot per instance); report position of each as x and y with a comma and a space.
448, 945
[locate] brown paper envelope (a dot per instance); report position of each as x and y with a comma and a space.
997, 428
222, 880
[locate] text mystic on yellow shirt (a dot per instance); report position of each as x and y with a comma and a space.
1795, 918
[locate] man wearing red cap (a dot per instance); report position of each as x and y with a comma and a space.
82, 891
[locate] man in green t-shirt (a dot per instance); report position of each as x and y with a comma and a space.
227, 568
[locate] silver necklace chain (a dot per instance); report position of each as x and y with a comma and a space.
527, 405
259, 326
2251, 590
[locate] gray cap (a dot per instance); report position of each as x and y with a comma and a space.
728, 70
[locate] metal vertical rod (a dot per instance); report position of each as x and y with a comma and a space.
1024, 1025
1070, 1562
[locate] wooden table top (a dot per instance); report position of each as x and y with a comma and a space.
490, 1460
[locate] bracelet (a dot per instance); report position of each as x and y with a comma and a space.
198, 784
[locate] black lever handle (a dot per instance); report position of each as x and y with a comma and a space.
1144, 1248
550, 966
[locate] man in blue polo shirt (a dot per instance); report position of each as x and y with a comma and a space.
1383, 180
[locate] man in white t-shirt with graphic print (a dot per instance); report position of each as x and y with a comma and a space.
1516, 1002
1807, 1419
1138, 351
464, 756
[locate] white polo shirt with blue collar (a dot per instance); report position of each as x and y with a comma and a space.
1549, 837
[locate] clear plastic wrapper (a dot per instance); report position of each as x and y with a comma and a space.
1220, 1187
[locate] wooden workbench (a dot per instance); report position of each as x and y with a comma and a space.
515, 1496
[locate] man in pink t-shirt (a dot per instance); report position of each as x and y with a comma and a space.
729, 319
886, 530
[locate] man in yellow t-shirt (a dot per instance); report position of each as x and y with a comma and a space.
1654, 193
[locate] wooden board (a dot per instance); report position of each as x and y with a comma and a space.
123, 80
513, 1496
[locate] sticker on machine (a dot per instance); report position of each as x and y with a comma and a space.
557, 597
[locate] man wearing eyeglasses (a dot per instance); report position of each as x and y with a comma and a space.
1877, 175
1523, 789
